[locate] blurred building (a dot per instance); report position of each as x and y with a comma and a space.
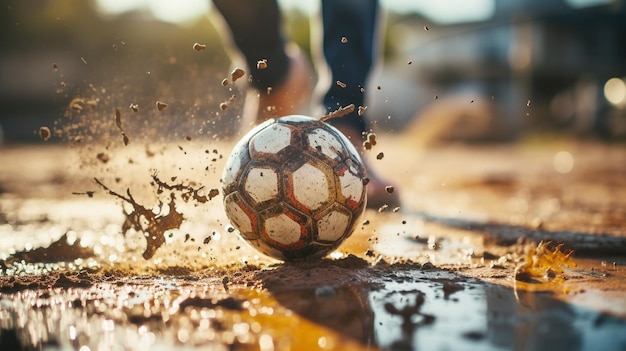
526, 65
545, 64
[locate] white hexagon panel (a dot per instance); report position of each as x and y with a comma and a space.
309, 186
332, 226
274, 143
351, 191
282, 228
241, 216
233, 168
261, 182
238, 159
324, 142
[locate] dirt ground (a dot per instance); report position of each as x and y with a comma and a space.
459, 266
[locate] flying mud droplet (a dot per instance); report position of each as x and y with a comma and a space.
156, 223
341, 84
103, 157
261, 64
161, 106
199, 47
134, 107
389, 189
344, 40
213, 193
371, 137
380, 156
361, 110
44, 133
125, 139
118, 118
187, 192
89, 193
236, 74
78, 104
340, 112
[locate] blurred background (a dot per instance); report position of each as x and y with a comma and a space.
469, 70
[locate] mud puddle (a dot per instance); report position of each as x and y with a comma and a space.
438, 275
346, 305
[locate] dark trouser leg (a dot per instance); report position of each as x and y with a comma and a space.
255, 26
350, 62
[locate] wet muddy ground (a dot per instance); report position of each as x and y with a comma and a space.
459, 267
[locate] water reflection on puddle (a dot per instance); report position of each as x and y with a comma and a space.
407, 309
415, 313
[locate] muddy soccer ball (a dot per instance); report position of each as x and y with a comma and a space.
294, 188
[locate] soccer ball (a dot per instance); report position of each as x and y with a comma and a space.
294, 187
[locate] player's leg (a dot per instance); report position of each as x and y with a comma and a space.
348, 44
286, 82
349, 30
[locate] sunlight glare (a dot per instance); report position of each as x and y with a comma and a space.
446, 11
615, 91
179, 11
116, 7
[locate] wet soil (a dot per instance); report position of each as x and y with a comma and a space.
441, 273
